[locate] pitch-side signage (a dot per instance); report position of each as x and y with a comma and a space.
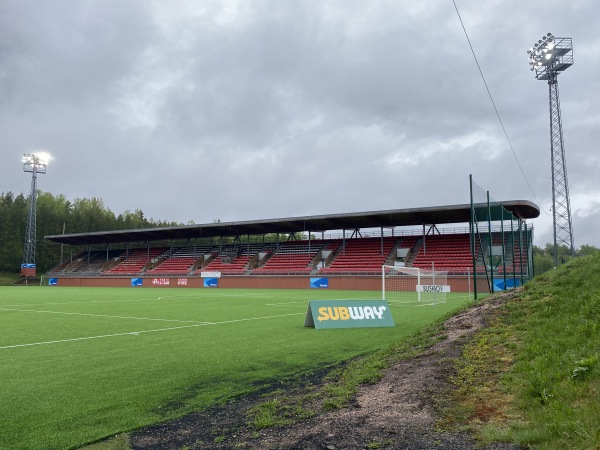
433, 288
210, 274
319, 283
348, 314
211, 282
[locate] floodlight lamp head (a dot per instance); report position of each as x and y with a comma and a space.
36, 162
44, 157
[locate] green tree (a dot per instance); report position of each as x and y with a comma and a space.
55, 214
543, 258
13, 221
542, 262
586, 250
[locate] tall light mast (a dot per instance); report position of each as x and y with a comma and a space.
34, 163
548, 57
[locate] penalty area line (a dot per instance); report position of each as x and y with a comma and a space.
137, 333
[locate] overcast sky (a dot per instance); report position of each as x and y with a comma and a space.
256, 109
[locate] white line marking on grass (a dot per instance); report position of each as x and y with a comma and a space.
101, 315
417, 304
252, 318
84, 303
302, 304
137, 333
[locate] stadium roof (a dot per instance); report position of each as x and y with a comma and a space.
522, 209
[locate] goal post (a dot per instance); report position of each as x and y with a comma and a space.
400, 284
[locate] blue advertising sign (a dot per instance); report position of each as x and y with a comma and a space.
211, 282
52, 281
319, 283
499, 285
137, 282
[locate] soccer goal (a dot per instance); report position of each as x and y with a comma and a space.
406, 285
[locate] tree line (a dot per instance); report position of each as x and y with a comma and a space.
543, 257
55, 214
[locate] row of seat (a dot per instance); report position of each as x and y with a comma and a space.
237, 266
361, 255
134, 261
358, 255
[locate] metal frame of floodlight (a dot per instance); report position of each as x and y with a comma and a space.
548, 57
34, 163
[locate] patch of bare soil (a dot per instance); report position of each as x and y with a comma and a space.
398, 412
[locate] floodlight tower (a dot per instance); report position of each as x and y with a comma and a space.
34, 163
547, 58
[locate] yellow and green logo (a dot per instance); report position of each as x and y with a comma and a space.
348, 314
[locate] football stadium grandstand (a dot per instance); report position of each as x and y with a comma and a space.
348, 250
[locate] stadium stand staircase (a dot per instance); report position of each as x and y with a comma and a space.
179, 261
233, 259
134, 262
291, 257
360, 255
87, 263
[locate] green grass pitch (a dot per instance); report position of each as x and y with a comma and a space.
80, 364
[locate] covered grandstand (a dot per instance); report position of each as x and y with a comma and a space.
347, 249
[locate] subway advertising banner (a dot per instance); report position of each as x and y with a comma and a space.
348, 314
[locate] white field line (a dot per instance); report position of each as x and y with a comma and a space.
101, 315
169, 297
136, 333
90, 301
417, 304
301, 304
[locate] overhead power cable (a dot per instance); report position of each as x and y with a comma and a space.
496, 109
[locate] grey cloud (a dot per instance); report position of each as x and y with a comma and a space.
241, 110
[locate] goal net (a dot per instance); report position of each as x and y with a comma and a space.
407, 285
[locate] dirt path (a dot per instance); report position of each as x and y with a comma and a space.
399, 412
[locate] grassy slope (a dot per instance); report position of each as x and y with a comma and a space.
8, 279
533, 377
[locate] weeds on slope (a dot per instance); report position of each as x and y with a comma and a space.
533, 376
